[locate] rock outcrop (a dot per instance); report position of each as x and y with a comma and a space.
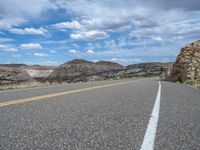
39, 73
13, 75
79, 70
187, 65
148, 69
82, 70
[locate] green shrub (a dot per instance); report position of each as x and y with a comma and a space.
191, 82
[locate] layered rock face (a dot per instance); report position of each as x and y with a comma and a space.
187, 65
148, 69
82, 70
79, 70
39, 73
13, 75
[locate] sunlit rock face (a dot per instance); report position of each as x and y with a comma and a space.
187, 65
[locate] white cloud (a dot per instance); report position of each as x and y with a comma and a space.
4, 40
73, 51
16, 56
40, 55
76, 36
90, 35
31, 31
111, 44
67, 25
127, 61
31, 46
56, 42
50, 63
114, 59
140, 52
90, 51
44, 63
107, 24
157, 38
7, 22
140, 16
14, 13
7, 48
53, 52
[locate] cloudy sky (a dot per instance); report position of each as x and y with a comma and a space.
50, 32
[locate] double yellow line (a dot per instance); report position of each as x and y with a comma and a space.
45, 97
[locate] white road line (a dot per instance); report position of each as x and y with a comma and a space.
149, 138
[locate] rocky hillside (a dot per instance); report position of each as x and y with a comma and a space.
79, 70
13, 75
82, 70
187, 65
148, 69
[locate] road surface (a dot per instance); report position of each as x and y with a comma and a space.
105, 115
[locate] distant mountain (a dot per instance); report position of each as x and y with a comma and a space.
187, 65
110, 64
149, 69
82, 70
13, 65
78, 61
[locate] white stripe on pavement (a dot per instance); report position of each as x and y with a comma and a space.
148, 142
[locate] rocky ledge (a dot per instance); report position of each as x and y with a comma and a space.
187, 65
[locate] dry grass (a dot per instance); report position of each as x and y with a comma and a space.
25, 85
194, 83
43, 84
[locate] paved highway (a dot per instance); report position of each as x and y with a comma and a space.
105, 115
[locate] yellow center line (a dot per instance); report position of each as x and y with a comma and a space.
44, 97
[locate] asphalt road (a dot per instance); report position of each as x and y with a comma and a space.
105, 115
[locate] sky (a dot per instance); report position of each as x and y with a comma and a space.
51, 32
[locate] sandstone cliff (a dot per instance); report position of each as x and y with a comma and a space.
187, 65
148, 69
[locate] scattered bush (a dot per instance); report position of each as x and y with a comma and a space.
191, 82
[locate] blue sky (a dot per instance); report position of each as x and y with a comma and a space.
51, 32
